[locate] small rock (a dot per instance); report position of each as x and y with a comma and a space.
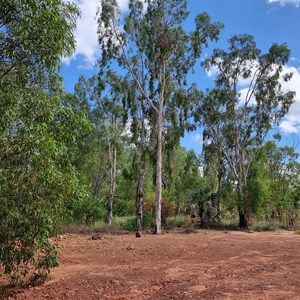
138, 234
115, 282
96, 237
129, 247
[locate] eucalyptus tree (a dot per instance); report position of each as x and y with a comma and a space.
36, 174
186, 178
107, 96
142, 170
138, 110
214, 168
113, 112
91, 171
248, 99
153, 47
282, 169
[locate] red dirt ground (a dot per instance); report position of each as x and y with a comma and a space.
205, 264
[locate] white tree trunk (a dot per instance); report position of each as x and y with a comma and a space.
112, 183
157, 220
140, 188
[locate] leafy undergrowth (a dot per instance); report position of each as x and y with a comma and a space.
184, 223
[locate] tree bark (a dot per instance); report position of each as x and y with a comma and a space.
244, 207
112, 184
140, 188
243, 222
157, 220
244, 214
97, 185
219, 188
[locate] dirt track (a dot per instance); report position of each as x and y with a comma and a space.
202, 265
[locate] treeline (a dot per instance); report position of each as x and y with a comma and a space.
113, 148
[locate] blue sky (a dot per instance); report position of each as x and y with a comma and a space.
269, 21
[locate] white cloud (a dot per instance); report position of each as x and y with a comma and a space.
284, 2
212, 72
287, 127
296, 59
291, 123
196, 137
87, 48
244, 93
123, 4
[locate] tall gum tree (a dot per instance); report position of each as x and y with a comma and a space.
106, 97
153, 47
248, 99
138, 111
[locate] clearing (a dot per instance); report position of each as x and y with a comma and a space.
205, 264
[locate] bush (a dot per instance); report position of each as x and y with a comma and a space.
25, 244
176, 222
130, 224
148, 221
167, 209
85, 210
267, 226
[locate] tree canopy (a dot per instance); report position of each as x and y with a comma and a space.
237, 119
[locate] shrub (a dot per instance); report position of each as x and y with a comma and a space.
130, 224
167, 209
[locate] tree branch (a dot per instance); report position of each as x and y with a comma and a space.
128, 67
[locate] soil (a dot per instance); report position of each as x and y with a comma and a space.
203, 264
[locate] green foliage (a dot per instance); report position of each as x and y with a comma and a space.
178, 222
33, 38
164, 245
258, 187
124, 207
207, 209
103, 97
238, 126
24, 242
36, 178
148, 220
167, 208
130, 224
267, 225
182, 177
283, 169
36, 143
83, 210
